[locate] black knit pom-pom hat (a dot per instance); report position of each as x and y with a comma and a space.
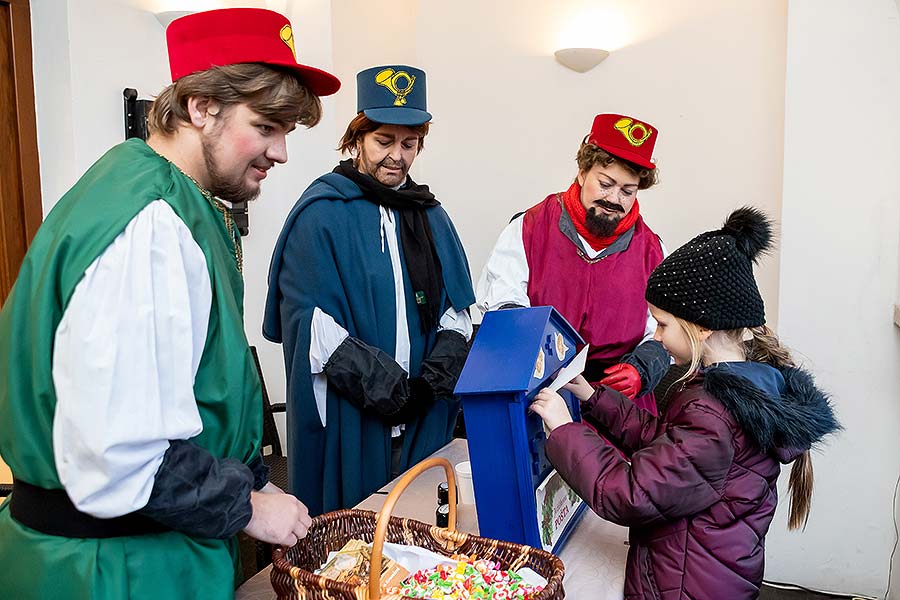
709, 281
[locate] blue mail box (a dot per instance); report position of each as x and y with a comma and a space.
519, 496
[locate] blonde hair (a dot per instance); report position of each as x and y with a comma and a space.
276, 94
763, 347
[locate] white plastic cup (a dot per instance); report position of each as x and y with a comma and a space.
464, 482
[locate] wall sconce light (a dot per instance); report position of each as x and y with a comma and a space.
580, 59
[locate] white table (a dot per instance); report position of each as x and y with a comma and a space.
594, 556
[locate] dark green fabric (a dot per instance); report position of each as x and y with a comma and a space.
79, 228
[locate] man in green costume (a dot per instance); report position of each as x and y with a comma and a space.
130, 407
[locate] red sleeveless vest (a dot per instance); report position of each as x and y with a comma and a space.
602, 298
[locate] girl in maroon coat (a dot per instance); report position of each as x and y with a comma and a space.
697, 486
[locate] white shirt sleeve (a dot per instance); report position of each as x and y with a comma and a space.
504, 279
459, 321
125, 356
650, 328
325, 336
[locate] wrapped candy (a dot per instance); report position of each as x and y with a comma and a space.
469, 579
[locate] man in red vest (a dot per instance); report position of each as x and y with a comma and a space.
588, 253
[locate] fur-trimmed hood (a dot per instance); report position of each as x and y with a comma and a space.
785, 425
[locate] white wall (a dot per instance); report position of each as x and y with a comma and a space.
508, 119
82, 62
365, 35
53, 98
839, 265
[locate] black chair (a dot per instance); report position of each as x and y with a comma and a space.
255, 554
272, 452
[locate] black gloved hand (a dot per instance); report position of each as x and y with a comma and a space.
421, 399
442, 367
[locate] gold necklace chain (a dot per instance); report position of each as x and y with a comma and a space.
226, 214
227, 217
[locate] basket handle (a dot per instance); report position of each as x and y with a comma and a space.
384, 515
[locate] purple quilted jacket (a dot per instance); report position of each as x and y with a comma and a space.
697, 485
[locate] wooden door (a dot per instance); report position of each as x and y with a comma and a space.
20, 199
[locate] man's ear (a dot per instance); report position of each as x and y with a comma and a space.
201, 109
580, 178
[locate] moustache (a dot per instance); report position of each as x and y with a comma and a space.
609, 205
393, 164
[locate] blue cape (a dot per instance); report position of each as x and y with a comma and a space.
330, 255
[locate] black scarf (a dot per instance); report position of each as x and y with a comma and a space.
422, 260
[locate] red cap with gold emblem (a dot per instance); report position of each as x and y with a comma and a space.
625, 137
229, 36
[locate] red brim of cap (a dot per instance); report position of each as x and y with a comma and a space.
626, 154
319, 82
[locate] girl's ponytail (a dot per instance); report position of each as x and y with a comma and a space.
765, 348
800, 486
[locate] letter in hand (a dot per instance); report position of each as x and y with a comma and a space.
551, 407
580, 387
277, 518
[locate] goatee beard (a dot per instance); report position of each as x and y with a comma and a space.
600, 225
221, 187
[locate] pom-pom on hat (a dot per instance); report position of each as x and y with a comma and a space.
230, 36
709, 281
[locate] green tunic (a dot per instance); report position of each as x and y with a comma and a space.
81, 226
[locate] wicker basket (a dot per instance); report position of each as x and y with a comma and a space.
293, 568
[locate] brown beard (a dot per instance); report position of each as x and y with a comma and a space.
231, 190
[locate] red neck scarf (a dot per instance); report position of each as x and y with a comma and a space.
576, 210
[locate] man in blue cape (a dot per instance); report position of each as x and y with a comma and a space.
369, 290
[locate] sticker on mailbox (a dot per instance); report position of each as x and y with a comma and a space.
561, 347
539, 365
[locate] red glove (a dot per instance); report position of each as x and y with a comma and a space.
623, 378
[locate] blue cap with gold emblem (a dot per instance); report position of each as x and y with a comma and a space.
393, 95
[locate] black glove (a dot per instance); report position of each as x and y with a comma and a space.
368, 377
509, 305
421, 399
439, 374
201, 495
651, 361
442, 367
